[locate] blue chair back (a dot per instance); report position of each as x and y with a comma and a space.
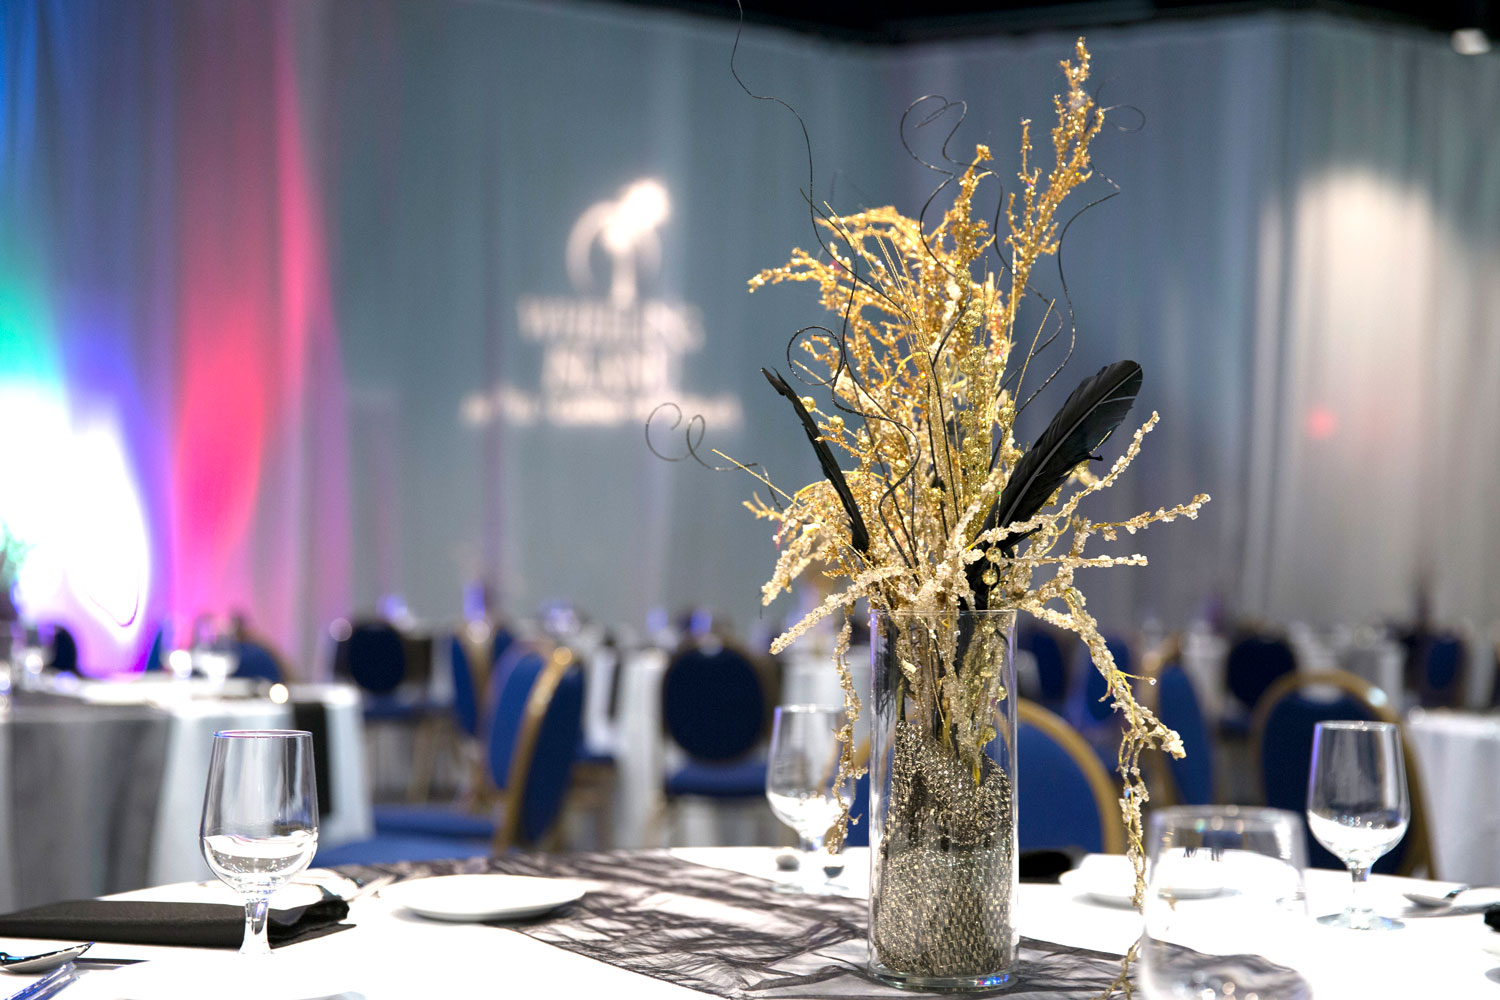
713, 704
859, 809
1442, 674
510, 687
540, 702
500, 641
374, 657
257, 661
1178, 707
1060, 783
1254, 664
1097, 707
156, 655
62, 652
1051, 669
1284, 730
465, 698
550, 769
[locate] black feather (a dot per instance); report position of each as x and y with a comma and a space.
1087, 418
859, 535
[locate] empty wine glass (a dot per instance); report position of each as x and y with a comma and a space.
1225, 907
260, 818
802, 785
1357, 805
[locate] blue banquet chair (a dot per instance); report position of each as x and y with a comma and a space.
539, 704
1092, 706
62, 650
1441, 663
714, 708
1255, 662
1051, 667
1174, 700
256, 660
1066, 797
1281, 747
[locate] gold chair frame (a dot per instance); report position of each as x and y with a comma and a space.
1419, 852
1106, 799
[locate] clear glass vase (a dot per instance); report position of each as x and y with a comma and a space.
943, 799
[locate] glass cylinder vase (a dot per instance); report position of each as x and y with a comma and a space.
943, 799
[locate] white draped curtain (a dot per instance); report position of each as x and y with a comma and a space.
1303, 257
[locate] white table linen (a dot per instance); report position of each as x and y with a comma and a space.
1458, 757
1434, 957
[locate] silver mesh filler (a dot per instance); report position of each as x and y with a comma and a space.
943, 905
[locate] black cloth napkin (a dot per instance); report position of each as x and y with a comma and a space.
312, 717
202, 925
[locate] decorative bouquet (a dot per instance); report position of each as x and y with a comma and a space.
943, 512
943, 509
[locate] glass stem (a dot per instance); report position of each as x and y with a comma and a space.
812, 861
1359, 910
257, 940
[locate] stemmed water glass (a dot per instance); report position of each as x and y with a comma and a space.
260, 818
803, 787
1357, 805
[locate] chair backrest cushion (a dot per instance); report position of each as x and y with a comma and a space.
256, 661
1254, 664
556, 747
1178, 708
1051, 669
1097, 707
712, 703
375, 657
465, 698
515, 673
1056, 802
1442, 671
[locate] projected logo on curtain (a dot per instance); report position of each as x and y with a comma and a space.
609, 354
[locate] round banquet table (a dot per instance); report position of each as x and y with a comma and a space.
391, 953
1458, 757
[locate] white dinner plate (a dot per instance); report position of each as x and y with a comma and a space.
483, 897
1114, 884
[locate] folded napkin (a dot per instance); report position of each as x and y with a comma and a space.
1046, 865
202, 925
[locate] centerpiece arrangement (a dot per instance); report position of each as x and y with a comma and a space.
948, 528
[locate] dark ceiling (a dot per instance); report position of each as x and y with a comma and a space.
890, 23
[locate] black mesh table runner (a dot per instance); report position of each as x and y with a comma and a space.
732, 935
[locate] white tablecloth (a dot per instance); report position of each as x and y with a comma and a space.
1458, 757
1438, 957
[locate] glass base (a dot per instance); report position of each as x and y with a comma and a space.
1372, 923
819, 889
941, 984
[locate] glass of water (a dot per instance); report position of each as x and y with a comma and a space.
1357, 805
802, 785
260, 818
1225, 909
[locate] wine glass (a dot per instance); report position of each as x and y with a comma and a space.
260, 818
1225, 907
1357, 805
802, 784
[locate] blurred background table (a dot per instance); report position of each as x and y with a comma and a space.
103, 787
1459, 757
